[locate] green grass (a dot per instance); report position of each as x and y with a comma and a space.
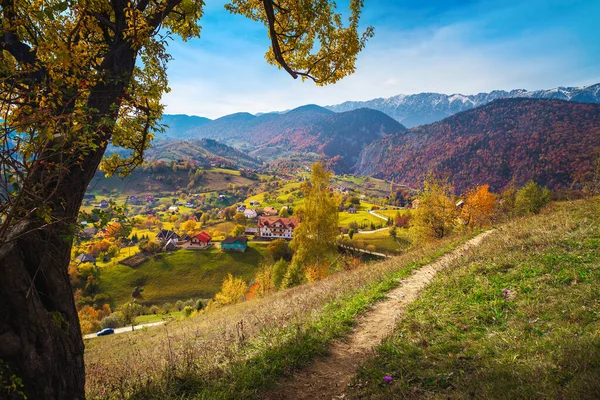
519, 318
304, 343
182, 274
242, 350
383, 242
361, 217
226, 171
392, 213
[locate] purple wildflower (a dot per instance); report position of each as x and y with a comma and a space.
387, 379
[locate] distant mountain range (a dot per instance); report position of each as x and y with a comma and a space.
307, 129
425, 108
506, 141
497, 138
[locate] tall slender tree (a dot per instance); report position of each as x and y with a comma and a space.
318, 229
76, 76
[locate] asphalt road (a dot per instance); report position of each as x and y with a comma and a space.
126, 329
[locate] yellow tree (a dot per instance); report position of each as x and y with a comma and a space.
76, 76
480, 206
434, 217
189, 225
318, 229
232, 291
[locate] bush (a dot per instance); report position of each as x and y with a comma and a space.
294, 276
531, 198
279, 270
187, 310
114, 320
199, 305
279, 249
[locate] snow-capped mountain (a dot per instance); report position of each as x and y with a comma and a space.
424, 108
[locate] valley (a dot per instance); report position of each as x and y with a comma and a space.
299, 200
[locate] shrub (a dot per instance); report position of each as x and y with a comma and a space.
114, 320
232, 291
294, 276
279, 249
187, 311
279, 270
531, 198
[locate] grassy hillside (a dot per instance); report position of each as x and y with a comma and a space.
518, 318
180, 275
239, 351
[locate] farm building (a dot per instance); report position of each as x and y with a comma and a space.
238, 243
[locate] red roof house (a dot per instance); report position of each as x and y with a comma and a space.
202, 239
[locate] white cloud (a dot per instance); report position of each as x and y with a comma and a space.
447, 59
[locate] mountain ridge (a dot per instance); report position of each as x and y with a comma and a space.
507, 141
428, 107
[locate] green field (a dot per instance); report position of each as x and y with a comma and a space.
361, 217
383, 242
279, 196
392, 213
180, 275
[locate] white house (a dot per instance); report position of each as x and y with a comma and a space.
276, 228
250, 213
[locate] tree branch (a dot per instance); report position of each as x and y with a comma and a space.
270, 12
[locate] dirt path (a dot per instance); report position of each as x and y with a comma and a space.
327, 378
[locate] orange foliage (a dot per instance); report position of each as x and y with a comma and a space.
89, 317
317, 272
253, 292
480, 206
98, 247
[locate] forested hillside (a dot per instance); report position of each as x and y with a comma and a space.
200, 151
507, 141
307, 129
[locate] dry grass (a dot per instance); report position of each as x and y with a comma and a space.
519, 317
243, 346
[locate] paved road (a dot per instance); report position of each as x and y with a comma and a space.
377, 215
127, 329
374, 231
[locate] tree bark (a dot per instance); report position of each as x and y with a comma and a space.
40, 336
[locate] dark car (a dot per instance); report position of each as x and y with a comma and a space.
106, 331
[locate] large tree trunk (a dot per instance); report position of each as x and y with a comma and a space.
40, 336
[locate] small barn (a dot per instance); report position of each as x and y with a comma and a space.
85, 258
237, 243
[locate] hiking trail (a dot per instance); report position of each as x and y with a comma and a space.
329, 376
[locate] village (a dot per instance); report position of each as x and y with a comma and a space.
160, 247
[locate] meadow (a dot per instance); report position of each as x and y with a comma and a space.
520, 313
519, 318
180, 275
239, 351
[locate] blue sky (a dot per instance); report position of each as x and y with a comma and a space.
419, 46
